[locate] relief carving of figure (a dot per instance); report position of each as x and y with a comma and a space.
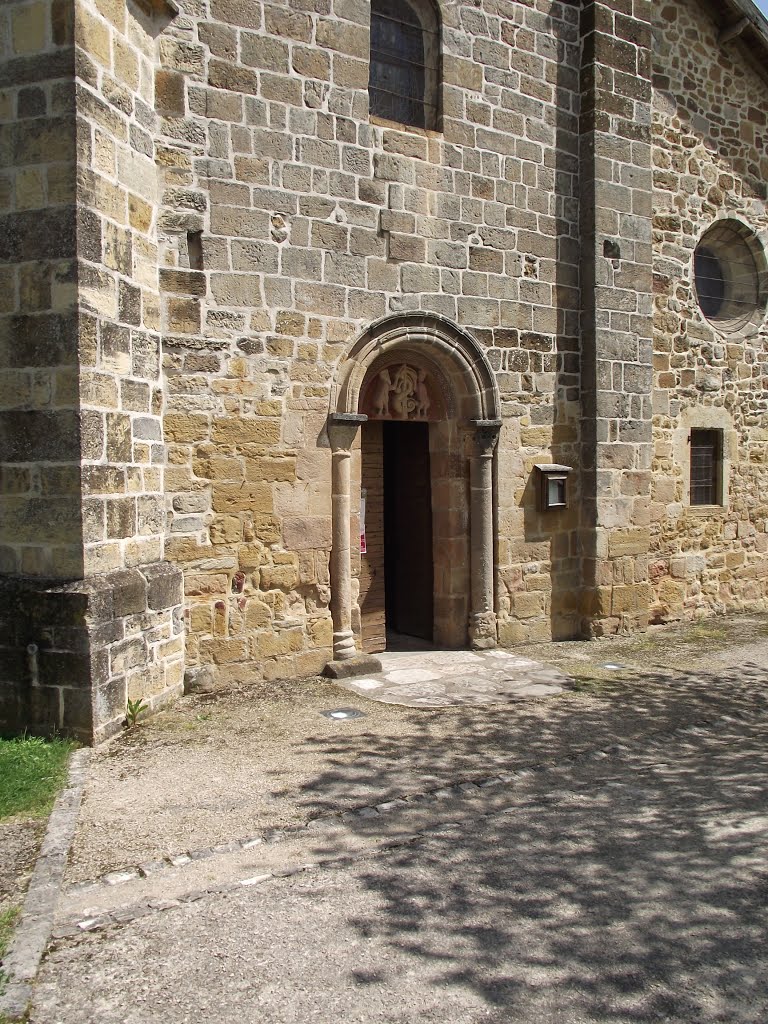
381, 394
404, 386
422, 396
400, 392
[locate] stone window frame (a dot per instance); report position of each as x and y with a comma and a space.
427, 14
710, 241
706, 418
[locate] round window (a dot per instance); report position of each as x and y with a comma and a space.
729, 276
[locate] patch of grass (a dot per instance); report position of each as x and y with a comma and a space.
700, 632
591, 685
32, 771
8, 919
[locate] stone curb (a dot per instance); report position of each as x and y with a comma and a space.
463, 790
33, 933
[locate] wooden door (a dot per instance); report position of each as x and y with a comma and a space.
372, 560
408, 529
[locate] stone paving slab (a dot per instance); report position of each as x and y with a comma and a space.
434, 678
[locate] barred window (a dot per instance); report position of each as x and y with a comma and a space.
706, 461
710, 281
405, 57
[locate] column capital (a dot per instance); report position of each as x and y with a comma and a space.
486, 436
342, 428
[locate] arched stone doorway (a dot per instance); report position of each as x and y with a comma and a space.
421, 379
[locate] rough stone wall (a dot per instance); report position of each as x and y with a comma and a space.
316, 220
70, 653
710, 133
40, 522
199, 217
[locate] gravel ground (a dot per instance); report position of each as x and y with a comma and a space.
626, 890
224, 766
19, 843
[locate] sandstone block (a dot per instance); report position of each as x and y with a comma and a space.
164, 585
320, 632
528, 605
279, 577
205, 584
226, 529
305, 532
28, 28
230, 498
236, 432
279, 643
186, 427
630, 599
223, 650
257, 614
628, 542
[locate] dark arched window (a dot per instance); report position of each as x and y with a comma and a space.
710, 281
405, 62
729, 273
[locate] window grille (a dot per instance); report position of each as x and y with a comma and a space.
404, 69
710, 281
729, 276
706, 457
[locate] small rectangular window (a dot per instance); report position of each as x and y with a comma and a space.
706, 461
195, 250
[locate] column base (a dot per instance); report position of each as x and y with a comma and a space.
344, 645
359, 665
482, 631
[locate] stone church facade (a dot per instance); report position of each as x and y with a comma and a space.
326, 318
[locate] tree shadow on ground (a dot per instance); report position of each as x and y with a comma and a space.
627, 889
433, 748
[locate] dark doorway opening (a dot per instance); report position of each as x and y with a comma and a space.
408, 565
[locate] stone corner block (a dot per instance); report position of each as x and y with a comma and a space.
165, 585
129, 591
199, 679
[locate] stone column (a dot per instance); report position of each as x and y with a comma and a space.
347, 660
482, 616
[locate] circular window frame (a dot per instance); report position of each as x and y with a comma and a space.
735, 298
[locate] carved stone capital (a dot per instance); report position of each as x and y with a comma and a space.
486, 436
342, 429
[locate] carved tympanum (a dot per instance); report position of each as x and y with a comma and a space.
401, 392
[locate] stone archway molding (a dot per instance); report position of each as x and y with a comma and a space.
475, 402
460, 358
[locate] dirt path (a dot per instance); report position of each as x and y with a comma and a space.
627, 887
